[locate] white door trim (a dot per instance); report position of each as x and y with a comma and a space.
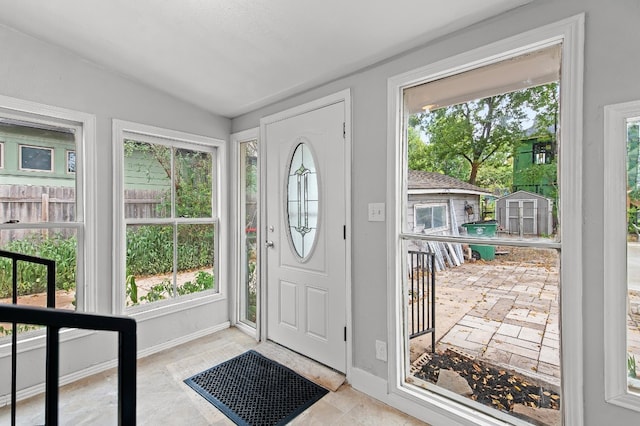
342, 96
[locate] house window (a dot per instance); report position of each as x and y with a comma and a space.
50, 218
71, 161
430, 217
34, 158
248, 231
542, 153
622, 254
1, 155
170, 199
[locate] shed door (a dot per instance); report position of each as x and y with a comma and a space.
521, 217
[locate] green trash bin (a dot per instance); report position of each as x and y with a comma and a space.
482, 229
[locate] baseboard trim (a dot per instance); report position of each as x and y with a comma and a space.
439, 412
104, 366
181, 340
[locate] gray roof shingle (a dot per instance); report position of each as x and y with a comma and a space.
419, 179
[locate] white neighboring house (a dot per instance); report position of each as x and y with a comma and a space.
439, 205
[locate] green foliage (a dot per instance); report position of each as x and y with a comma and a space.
632, 220
464, 138
203, 281
22, 328
32, 277
631, 366
164, 290
131, 289
149, 250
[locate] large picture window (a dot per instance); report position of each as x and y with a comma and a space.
447, 121
170, 201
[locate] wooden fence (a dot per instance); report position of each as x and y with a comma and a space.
38, 204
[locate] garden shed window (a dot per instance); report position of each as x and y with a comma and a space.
430, 217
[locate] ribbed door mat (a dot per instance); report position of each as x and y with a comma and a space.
251, 389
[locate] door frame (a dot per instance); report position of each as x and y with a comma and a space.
342, 96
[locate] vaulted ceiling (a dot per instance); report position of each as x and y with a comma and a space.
233, 56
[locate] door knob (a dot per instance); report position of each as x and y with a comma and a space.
269, 244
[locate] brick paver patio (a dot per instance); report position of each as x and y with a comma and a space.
506, 313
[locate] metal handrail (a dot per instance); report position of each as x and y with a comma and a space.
422, 287
54, 320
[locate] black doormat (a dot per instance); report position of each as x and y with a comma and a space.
251, 389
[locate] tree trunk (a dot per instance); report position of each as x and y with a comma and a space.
474, 173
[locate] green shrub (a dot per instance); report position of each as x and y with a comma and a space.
150, 249
31, 276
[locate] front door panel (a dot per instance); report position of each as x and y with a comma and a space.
305, 205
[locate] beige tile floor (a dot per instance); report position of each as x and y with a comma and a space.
163, 398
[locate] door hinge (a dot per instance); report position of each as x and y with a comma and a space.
344, 130
344, 232
345, 334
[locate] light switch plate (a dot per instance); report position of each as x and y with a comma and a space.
376, 212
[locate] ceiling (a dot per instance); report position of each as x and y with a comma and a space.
233, 56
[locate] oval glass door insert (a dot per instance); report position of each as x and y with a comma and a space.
302, 200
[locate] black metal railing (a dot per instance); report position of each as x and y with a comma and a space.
54, 320
422, 295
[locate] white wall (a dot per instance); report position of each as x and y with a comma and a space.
35, 71
610, 76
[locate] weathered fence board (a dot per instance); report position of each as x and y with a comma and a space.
38, 204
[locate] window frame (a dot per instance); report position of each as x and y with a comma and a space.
238, 224
145, 133
431, 206
615, 254
67, 153
26, 169
569, 33
86, 188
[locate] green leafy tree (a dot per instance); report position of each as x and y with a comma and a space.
464, 138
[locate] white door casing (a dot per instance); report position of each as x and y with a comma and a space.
306, 286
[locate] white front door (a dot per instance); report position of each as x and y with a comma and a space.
305, 233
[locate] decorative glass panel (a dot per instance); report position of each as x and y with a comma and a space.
302, 200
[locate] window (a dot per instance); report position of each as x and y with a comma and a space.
1, 155
248, 229
48, 216
169, 199
430, 217
36, 158
71, 161
622, 255
542, 153
557, 45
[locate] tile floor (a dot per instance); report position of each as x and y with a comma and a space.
163, 399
